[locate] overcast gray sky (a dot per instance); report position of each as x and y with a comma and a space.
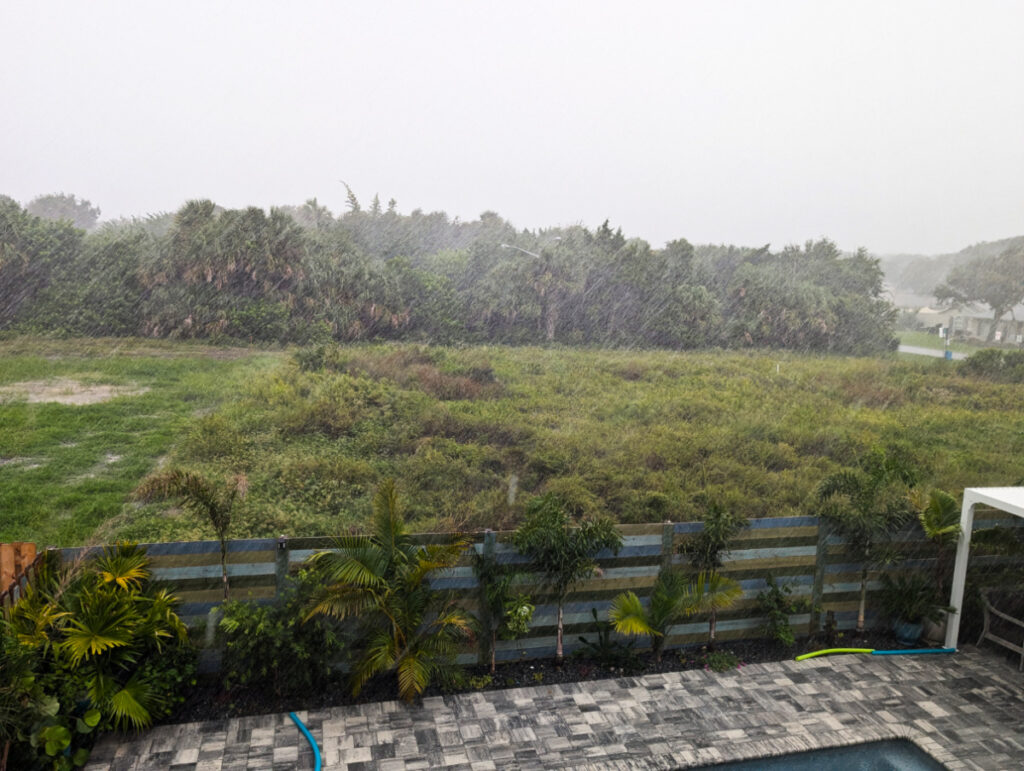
898, 126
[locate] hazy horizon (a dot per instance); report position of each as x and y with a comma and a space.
891, 126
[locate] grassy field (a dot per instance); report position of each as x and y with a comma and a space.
65, 468
928, 340
472, 433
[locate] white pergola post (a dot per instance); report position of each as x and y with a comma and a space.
1008, 499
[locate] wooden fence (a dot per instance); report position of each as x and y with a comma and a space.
796, 551
18, 561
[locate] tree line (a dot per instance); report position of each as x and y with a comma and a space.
303, 275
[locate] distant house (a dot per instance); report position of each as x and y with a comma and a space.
971, 324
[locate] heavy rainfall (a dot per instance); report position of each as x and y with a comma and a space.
447, 268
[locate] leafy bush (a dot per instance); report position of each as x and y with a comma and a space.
995, 364
271, 646
110, 652
776, 606
603, 650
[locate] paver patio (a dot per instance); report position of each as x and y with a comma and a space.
966, 710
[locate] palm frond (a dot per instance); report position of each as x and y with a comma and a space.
629, 616
363, 566
413, 677
103, 621
130, 705
125, 564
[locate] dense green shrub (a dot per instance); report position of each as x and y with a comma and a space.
995, 364
271, 647
109, 650
776, 605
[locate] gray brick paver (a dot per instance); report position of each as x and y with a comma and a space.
965, 710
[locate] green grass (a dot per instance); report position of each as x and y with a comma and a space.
471, 433
928, 340
65, 470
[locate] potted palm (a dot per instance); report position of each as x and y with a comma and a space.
910, 599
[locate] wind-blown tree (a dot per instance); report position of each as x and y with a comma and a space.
209, 500
673, 598
32, 252
63, 207
998, 282
561, 550
381, 580
866, 505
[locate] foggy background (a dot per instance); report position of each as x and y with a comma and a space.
894, 126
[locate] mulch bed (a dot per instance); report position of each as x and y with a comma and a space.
208, 701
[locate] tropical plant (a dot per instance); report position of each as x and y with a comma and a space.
382, 580
609, 653
866, 505
706, 549
672, 600
204, 498
562, 551
939, 516
777, 606
911, 598
110, 650
269, 646
501, 613
21, 700
712, 593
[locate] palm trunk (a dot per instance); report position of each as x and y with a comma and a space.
711, 630
863, 600
558, 638
224, 567
3, 759
494, 644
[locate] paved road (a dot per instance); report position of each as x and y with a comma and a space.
930, 352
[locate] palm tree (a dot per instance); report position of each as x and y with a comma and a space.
866, 505
204, 498
711, 593
672, 599
562, 552
381, 579
939, 516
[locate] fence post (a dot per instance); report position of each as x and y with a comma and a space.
490, 540
668, 542
818, 587
281, 567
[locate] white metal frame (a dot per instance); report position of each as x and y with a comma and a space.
1008, 499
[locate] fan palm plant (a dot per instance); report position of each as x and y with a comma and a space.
381, 579
106, 639
672, 599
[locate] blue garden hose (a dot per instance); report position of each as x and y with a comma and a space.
913, 650
309, 738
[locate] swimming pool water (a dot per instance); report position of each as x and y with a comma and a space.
891, 755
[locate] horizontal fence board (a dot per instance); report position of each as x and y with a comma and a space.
787, 548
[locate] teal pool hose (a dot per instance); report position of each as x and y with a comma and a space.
309, 738
913, 650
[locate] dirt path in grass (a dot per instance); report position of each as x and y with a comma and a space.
65, 391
